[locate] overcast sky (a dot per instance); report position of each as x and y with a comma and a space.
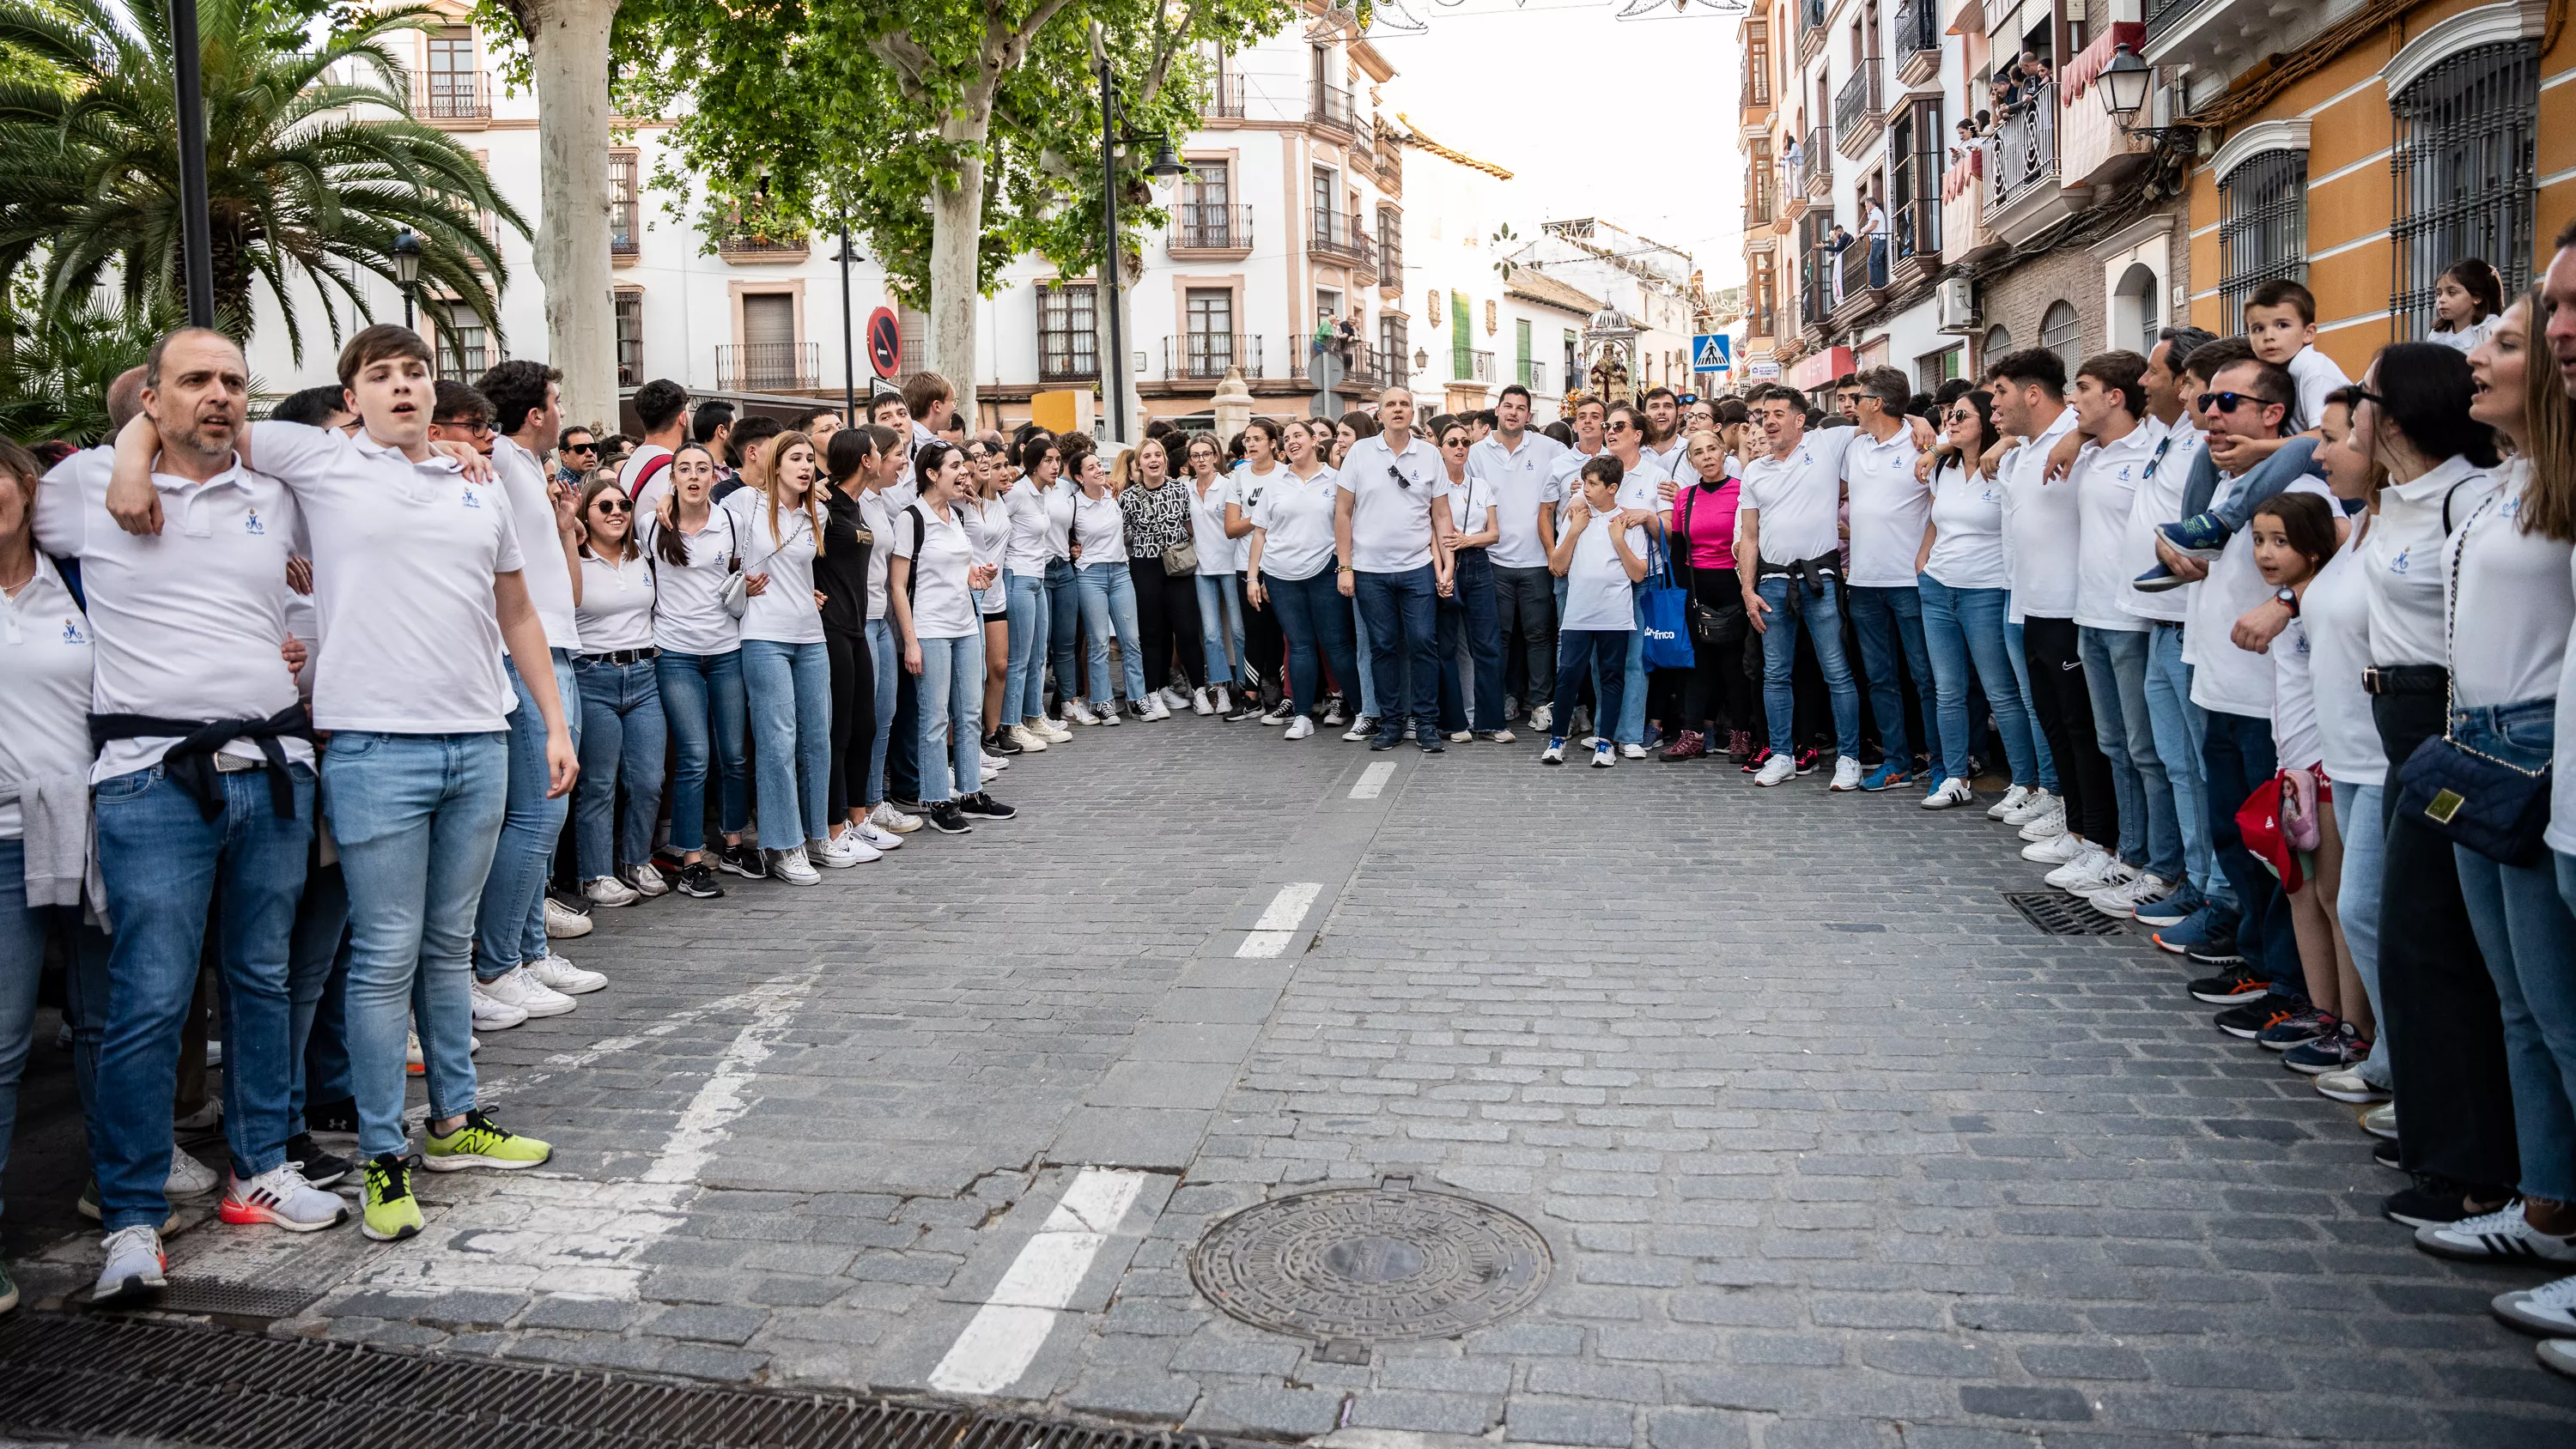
1593, 115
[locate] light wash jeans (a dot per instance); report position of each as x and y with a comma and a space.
2150, 835
2178, 726
166, 866
2365, 850
1822, 618
790, 692
703, 708
1221, 624
951, 692
622, 738
2528, 937
1964, 628
23, 929
1359, 650
416, 818
888, 663
510, 927
1024, 686
2041, 761
1886, 620
1109, 608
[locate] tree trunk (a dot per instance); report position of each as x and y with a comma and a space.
956, 239
568, 54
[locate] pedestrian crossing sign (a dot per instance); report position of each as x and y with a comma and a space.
1711, 352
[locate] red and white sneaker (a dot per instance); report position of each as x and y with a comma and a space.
282, 1198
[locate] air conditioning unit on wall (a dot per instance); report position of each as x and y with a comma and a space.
1956, 305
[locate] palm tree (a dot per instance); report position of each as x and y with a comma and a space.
313, 161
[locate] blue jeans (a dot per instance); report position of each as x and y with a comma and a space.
622, 738
166, 866
2150, 835
511, 925
2357, 891
2236, 756
1885, 620
1109, 607
2528, 937
1024, 687
2178, 726
887, 661
1064, 626
1220, 624
1822, 619
1316, 621
952, 710
703, 706
1470, 616
416, 818
1964, 628
790, 689
1400, 611
1577, 652
1360, 650
1628, 727
317, 986
23, 929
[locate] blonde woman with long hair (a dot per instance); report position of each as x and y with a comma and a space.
786, 668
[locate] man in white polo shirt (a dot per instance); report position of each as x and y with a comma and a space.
1382, 537
1520, 467
1789, 557
1889, 508
662, 406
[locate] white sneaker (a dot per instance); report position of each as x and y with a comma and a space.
1954, 792
2086, 869
1155, 708
1632, 752
1460, 737
1222, 703
2013, 800
1080, 713
842, 851
1777, 770
2502, 1235
135, 1269
1846, 773
1604, 755
995, 764
1541, 718
1299, 728
2115, 874
645, 881
791, 866
2047, 824
563, 922
188, 1177
491, 1013
1332, 713
2122, 901
282, 1198
608, 890
517, 987
1046, 729
2057, 849
877, 837
1500, 737
414, 1062
886, 817
1172, 698
1363, 727
1029, 740
563, 978
1113, 714
2035, 802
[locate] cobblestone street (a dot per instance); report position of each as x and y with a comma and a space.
1828, 1145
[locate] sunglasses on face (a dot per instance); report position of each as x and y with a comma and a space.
581, 447
612, 505
1620, 426
2227, 402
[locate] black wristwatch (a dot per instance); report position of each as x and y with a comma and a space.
2289, 596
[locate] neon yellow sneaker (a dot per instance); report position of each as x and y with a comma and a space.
480, 1142
391, 1213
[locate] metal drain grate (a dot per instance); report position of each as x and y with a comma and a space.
94, 1378
2063, 915
232, 1300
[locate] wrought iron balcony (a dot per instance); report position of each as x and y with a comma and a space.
769, 366
1336, 236
1211, 227
1819, 169
1860, 109
449, 95
759, 247
1331, 107
1205, 356
1533, 375
2024, 150
1225, 98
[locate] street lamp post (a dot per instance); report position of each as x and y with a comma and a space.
196, 232
1166, 166
407, 270
849, 347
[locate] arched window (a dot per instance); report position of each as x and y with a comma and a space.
1998, 341
2062, 332
2464, 165
2264, 237
2134, 316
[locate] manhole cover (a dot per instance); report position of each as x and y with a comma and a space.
2063, 915
1371, 1263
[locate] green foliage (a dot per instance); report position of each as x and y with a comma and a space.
313, 161
55, 370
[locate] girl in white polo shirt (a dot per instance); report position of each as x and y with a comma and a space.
988, 523
1029, 560
1108, 593
622, 733
1966, 594
1291, 558
695, 548
1220, 566
930, 589
786, 671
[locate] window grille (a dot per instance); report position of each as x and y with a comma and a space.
2464, 173
2265, 235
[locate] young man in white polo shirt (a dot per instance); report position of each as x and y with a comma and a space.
417, 579
1789, 558
1382, 541
1520, 467
663, 407
1889, 508
204, 792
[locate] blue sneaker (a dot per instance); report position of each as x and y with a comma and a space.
2173, 910
2199, 536
2207, 935
2158, 580
1885, 777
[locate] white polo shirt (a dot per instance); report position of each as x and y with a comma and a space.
1522, 479
651, 498
783, 612
1295, 516
2158, 501
1100, 527
1390, 521
1889, 507
2106, 478
1565, 476
46, 656
879, 519
404, 556
1968, 531
1674, 459
1598, 592
1030, 547
2316, 374
1639, 486
1218, 554
2040, 522
2225, 678
942, 606
616, 603
1471, 501
532, 512
688, 599
1798, 499
187, 622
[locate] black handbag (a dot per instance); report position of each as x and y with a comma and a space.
2497, 809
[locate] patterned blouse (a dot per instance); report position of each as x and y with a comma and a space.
1157, 518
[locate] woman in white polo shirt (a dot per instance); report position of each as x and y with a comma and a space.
1033, 503
1265, 645
695, 547
1464, 524
988, 526
1220, 566
1108, 593
1966, 594
931, 589
1291, 557
622, 733
786, 671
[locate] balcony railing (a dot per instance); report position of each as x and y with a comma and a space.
2025, 148
1211, 227
1337, 237
1914, 228
1225, 97
452, 95
1760, 321
464, 364
1204, 356
1860, 267
625, 233
1859, 108
1367, 369
1479, 366
1816, 285
1533, 375
1331, 106
1819, 170
1811, 15
1918, 27
1761, 198
754, 247
1390, 157
2161, 14
769, 366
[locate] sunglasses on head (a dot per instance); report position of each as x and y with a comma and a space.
2228, 402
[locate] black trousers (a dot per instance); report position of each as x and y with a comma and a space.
2436, 1001
1167, 623
1265, 649
2065, 705
1525, 604
1719, 695
903, 742
854, 716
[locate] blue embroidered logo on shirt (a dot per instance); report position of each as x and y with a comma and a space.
253, 526
2512, 508
2398, 564
471, 501
72, 632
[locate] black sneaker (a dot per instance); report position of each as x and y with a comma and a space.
2385, 1154
339, 1116
1807, 760
2432, 1200
1754, 762
945, 817
2248, 1019
2231, 987
999, 742
696, 880
984, 807
1431, 744
2218, 950
1245, 707
320, 1168
743, 860
1386, 742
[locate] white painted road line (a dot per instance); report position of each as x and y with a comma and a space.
1270, 935
1004, 1337
1373, 780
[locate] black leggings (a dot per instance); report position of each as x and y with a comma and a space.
1718, 692
1167, 623
2065, 708
854, 716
